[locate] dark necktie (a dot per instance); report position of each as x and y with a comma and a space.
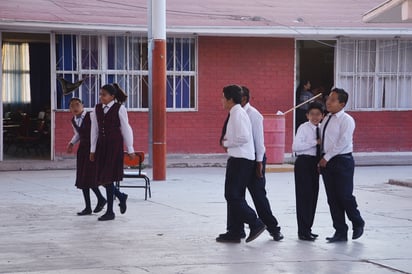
222, 136
323, 135
318, 145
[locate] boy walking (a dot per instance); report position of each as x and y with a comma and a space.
337, 167
237, 140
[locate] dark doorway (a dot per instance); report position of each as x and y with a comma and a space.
26, 123
316, 63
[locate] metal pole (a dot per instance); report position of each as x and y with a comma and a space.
159, 88
150, 71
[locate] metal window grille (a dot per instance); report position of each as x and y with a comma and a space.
123, 59
376, 73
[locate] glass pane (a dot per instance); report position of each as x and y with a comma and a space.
66, 52
121, 53
144, 55
347, 56
111, 52
388, 56
405, 57
366, 56
390, 96
145, 91
89, 52
405, 92
170, 54
134, 53
169, 92
90, 91
133, 91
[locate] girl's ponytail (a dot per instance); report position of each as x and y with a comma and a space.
120, 94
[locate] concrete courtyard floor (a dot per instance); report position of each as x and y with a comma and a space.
175, 230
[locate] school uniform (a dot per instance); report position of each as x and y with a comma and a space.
337, 145
240, 170
257, 186
85, 169
110, 132
306, 177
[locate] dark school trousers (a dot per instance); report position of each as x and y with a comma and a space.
257, 190
306, 191
338, 180
239, 172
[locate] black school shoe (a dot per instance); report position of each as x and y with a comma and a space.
122, 204
86, 211
277, 236
107, 217
228, 238
100, 205
254, 233
337, 237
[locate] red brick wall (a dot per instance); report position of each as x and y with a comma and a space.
64, 131
383, 131
266, 66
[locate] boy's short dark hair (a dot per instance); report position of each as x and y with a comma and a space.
75, 99
343, 96
233, 92
315, 105
246, 93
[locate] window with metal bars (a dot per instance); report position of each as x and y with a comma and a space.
123, 59
376, 73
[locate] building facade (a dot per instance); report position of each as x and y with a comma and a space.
374, 67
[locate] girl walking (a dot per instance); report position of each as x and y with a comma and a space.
85, 169
110, 132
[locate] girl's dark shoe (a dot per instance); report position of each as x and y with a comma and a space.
86, 211
122, 204
100, 205
107, 217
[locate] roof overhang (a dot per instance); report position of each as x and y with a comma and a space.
268, 31
391, 11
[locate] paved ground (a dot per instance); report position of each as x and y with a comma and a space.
202, 160
174, 232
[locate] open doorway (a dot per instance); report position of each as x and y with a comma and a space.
26, 96
315, 62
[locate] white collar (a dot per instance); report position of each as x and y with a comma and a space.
109, 105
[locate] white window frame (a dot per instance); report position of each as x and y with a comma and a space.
102, 72
376, 99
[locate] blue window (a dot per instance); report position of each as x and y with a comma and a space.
123, 59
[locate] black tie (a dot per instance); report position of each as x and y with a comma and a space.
317, 145
224, 130
323, 134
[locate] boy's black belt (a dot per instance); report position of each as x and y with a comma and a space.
306, 156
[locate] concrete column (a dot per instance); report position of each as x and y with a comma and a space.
159, 88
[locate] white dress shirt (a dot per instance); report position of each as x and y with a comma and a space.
338, 134
305, 140
78, 121
239, 139
256, 119
125, 128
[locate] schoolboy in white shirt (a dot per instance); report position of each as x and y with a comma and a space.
307, 148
